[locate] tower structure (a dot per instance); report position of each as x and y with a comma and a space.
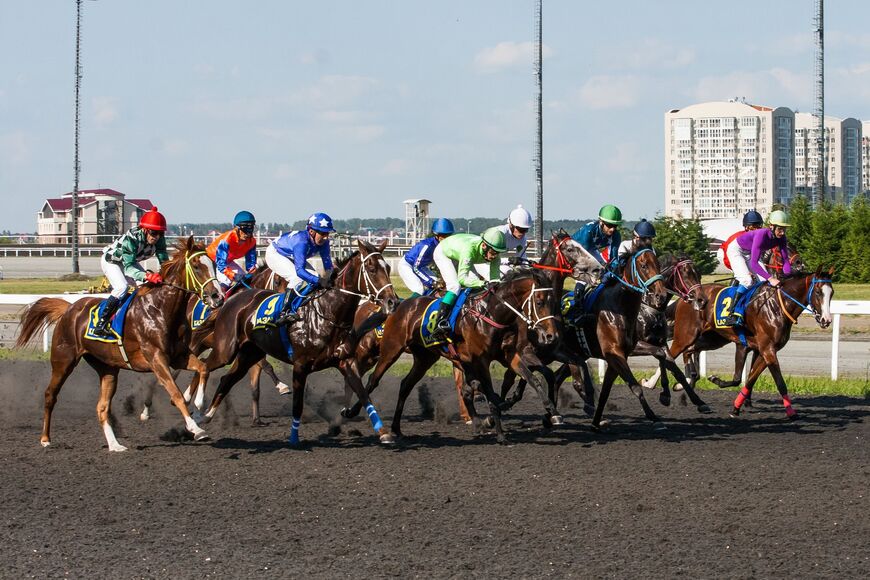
416, 219
819, 191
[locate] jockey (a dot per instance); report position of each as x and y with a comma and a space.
414, 268
752, 220
120, 262
642, 238
745, 254
518, 224
232, 245
604, 233
456, 257
288, 257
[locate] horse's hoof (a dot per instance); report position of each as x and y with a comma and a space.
704, 409
45, 443
646, 384
144, 416
348, 413
201, 435
659, 426
282, 389
791, 415
117, 448
589, 409
735, 412
258, 423
502, 440
489, 422
678, 387
387, 439
665, 399
557, 420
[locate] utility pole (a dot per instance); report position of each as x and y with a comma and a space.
539, 153
76, 165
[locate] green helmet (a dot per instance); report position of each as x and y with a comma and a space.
494, 238
610, 214
778, 218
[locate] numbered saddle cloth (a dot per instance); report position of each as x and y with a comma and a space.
727, 300
116, 327
430, 320
199, 314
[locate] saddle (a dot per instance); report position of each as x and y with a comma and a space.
117, 322
428, 335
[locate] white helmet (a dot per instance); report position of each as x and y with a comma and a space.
520, 218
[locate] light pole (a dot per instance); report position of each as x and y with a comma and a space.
467, 226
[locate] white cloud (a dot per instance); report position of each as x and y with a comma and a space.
16, 148
774, 87
610, 92
651, 53
175, 147
507, 54
396, 167
105, 110
284, 171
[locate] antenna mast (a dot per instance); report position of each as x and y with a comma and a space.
819, 192
76, 165
539, 151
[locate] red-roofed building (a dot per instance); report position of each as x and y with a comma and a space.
103, 214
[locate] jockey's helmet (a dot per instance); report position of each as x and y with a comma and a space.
778, 218
520, 218
494, 238
153, 220
320, 222
611, 215
443, 227
752, 218
645, 229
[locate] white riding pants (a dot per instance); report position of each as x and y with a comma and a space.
447, 268
115, 275
411, 280
284, 267
740, 265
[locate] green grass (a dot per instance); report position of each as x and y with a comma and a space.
46, 285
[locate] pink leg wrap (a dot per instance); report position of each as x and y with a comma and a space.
786, 402
741, 396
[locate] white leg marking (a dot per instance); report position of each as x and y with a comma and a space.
110, 438
283, 389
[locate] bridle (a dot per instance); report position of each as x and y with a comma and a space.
642, 286
674, 276
811, 286
563, 266
364, 280
527, 312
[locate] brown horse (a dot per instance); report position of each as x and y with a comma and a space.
486, 322
322, 338
768, 321
155, 337
609, 330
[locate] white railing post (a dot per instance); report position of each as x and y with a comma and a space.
602, 366
45, 338
702, 363
835, 347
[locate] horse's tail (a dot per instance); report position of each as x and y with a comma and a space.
43, 312
368, 324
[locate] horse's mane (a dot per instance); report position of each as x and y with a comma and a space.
537, 275
341, 263
174, 266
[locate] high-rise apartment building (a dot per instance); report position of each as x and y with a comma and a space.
725, 158
843, 157
865, 157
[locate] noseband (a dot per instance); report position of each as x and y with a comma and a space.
680, 288
642, 285
190, 279
364, 282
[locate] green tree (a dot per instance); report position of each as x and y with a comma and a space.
856, 244
687, 237
824, 245
801, 216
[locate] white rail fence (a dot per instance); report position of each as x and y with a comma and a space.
838, 308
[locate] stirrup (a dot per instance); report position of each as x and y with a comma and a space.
287, 317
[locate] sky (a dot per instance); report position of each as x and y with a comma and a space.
350, 107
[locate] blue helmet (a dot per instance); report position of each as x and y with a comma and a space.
752, 218
320, 222
645, 229
443, 227
244, 218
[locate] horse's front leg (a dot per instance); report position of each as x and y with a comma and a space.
350, 370
495, 402
521, 365
618, 361
159, 363
758, 365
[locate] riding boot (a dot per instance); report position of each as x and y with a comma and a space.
288, 315
575, 313
737, 312
102, 327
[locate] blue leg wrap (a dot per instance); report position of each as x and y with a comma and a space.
375, 419
294, 432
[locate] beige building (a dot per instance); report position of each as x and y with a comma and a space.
865, 156
843, 157
103, 214
725, 158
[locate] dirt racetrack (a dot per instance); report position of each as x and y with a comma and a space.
709, 497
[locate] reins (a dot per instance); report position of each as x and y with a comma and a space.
809, 305
643, 285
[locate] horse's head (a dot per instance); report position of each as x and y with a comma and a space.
642, 274
527, 295
820, 290
191, 268
368, 275
564, 253
682, 278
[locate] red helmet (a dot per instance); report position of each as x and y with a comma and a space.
153, 220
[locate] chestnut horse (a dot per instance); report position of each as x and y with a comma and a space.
155, 338
768, 321
485, 322
322, 338
609, 328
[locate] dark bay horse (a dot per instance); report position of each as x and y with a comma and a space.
322, 338
155, 337
768, 321
486, 321
609, 329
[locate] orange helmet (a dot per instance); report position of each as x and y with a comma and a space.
153, 220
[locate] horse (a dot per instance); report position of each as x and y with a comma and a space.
767, 326
609, 329
195, 392
155, 337
322, 338
486, 321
